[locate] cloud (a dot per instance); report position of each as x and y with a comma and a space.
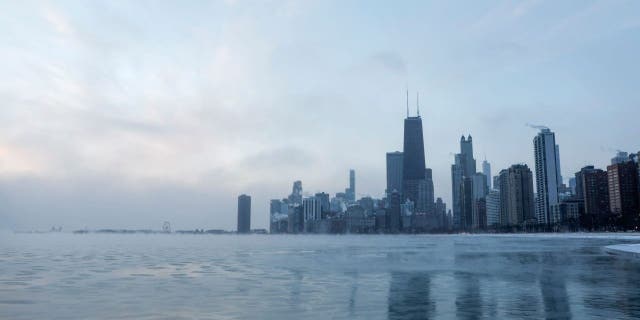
57, 21
525, 7
279, 158
207, 101
16, 161
391, 61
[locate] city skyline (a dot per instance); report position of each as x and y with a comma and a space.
595, 200
104, 125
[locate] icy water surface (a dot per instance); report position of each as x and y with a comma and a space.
108, 276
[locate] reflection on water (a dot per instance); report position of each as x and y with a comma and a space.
409, 296
315, 277
553, 288
468, 297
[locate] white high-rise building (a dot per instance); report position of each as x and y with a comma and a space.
548, 177
493, 208
486, 169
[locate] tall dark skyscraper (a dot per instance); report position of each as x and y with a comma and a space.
466, 203
516, 196
463, 167
393, 212
456, 187
623, 191
394, 172
468, 162
244, 213
413, 164
594, 191
352, 184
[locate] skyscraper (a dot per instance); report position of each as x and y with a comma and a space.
456, 186
466, 150
548, 177
486, 169
516, 196
275, 206
325, 203
479, 191
413, 164
493, 208
312, 208
296, 193
393, 213
579, 192
463, 168
594, 186
244, 214
623, 191
352, 184
572, 185
440, 209
426, 193
620, 157
394, 172
467, 203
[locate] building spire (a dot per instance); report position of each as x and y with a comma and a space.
418, 102
407, 101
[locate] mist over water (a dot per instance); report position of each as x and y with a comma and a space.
96, 276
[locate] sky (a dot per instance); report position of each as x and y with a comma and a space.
126, 114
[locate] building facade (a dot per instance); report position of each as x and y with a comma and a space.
244, 214
516, 196
350, 192
548, 176
312, 209
467, 203
413, 162
464, 167
426, 193
486, 170
493, 208
296, 193
394, 212
456, 188
394, 172
594, 185
623, 191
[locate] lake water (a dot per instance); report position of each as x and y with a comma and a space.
99, 276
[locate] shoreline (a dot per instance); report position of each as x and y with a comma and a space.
617, 235
624, 250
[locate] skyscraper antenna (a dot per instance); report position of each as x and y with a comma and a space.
407, 101
418, 102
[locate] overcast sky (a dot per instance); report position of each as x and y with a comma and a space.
130, 113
